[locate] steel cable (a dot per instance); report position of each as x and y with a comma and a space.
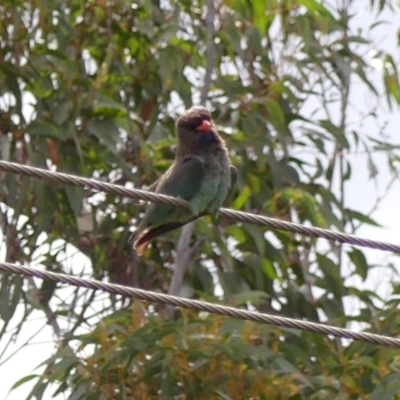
237, 216
202, 306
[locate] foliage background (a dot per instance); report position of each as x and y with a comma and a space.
93, 88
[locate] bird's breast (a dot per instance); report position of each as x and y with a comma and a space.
208, 138
215, 184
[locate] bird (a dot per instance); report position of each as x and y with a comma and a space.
201, 174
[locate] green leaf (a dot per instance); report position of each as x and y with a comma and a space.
23, 380
391, 79
107, 107
45, 129
353, 214
250, 296
316, 8
333, 281
357, 257
106, 131
75, 197
242, 198
337, 133
276, 115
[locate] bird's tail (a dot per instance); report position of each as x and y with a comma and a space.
141, 240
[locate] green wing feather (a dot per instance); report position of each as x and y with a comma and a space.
183, 180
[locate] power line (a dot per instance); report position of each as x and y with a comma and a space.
202, 306
237, 216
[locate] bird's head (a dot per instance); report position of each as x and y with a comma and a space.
196, 130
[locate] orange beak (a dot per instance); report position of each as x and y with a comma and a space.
204, 126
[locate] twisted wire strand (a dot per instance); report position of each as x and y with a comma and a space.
202, 306
93, 184
237, 216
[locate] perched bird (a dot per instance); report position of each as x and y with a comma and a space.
201, 174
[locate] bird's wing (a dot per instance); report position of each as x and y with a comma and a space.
182, 180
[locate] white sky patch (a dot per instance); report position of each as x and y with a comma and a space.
89, 63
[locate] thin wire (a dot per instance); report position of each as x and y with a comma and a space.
202, 306
233, 215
